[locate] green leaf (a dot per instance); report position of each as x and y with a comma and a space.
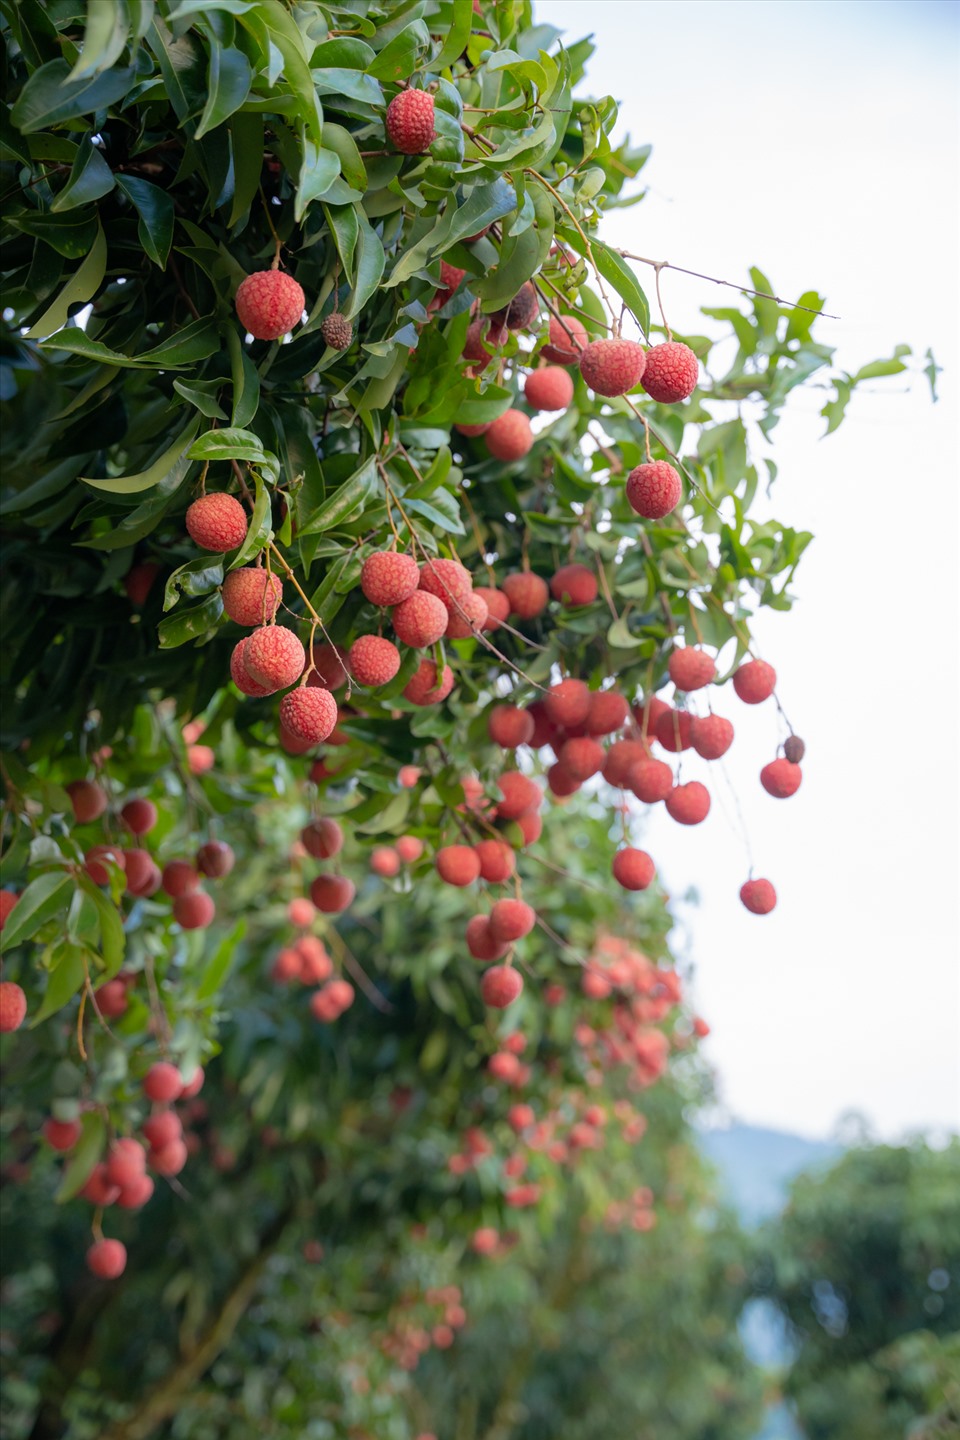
457, 36
50, 97
442, 511
216, 969
196, 577
228, 85
155, 209
368, 262
112, 939
246, 133
259, 528
83, 1156
107, 28
617, 273
190, 624
317, 173
203, 395
70, 965
194, 342
877, 368
390, 817
90, 178
345, 229
344, 500
45, 897
364, 88
398, 59
234, 443
341, 142
246, 382
165, 465
80, 288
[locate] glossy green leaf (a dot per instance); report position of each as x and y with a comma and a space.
50, 96
80, 288
228, 84
90, 178
353, 492
165, 465
196, 577
105, 35
70, 964
319, 170
190, 624
155, 209
368, 266
246, 382
218, 966
47, 896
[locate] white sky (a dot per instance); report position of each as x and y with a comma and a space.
818, 139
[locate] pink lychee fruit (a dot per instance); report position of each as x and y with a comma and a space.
691, 668
689, 804
274, 656
550, 388
252, 596
612, 367
670, 372
423, 687
568, 703
526, 593
508, 726
467, 617
712, 736
568, 337
269, 304
107, 1259
633, 869
458, 865
409, 121
332, 893
758, 896
194, 911
89, 800
510, 920
421, 620
500, 986
217, 522
389, 577
654, 489
781, 779
373, 661
574, 584
755, 681
139, 816
322, 838
510, 437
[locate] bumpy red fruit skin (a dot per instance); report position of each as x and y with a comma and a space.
161, 1129
274, 656
496, 861
549, 389
471, 431
568, 703
670, 373
162, 1082
712, 736
215, 858
409, 121
508, 726
650, 780
574, 585
581, 757
107, 1259
251, 596
498, 606
169, 1160
755, 682
110, 999
194, 911
373, 661
523, 309
509, 437
447, 579
510, 920
654, 489
458, 865
608, 711
332, 893
423, 688
389, 577
126, 1159
621, 757
141, 873
89, 800
138, 582
94, 857
269, 304
520, 794
781, 779
480, 942
62, 1135
689, 804
467, 617
526, 593
179, 876
139, 816
633, 869
501, 986
245, 682
322, 838
409, 848
136, 1194
421, 620
561, 783
567, 338
217, 522
758, 896
674, 730
691, 669
612, 367
384, 861
13, 1007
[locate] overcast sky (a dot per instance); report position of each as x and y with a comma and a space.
818, 139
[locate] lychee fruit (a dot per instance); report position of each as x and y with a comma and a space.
794, 749
269, 304
620, 759
179, 877
274, 656
568, 337
169, 1160
500, 986
654, 489
162, 1083
781, 779
447, 579
670, 373
126, 1159
550, 388
337, 330
520, 794
315, 964
423, 688
498, 606
510, 920
581, 757
755, 681
467, 616
689, 804
322, 838
8, 903
110, 999
161, 1129
200, 759
138, 581
217, 522
409, 121
215, 858
612, 367
690, 668
646, 713
13, 1006
135, 1195
485, 1240
530, 826
574, 584
252, 596
332, 893
523, 309
329, 667
497, 861
409, 775
94, 857
373, 661
384, 861
674, 730
758, 896
458, 865
510, 436
139, 816
483, 329
409, 848
633, 869
61, 1135
608, 712
245, 682
89, 800
421, 620
472, 431
526, 593
508, 726
711, 735
568, 703
480, 942
650, 780
194, 911
561, 783
389, 577
107, 1259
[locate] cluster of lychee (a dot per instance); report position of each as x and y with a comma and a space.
417, 1330
306, 960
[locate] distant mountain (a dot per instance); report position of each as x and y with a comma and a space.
756, 1165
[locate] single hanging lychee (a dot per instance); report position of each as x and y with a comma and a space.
670, 372
337, 331
217, 522
654, 489
269, 304
409, 121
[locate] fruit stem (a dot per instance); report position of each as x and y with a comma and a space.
731, 284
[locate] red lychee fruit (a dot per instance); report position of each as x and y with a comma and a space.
274, 657
384, 861
654, 489
179, 876
622, 756
457, 865
170, 1160
161, 1129
520, 794
98, 1189
758, 896
689, 804
674, 730
162, 1083
94, 857
8, 903
138, 582
315, 964
252, 596
389, 577
497, 861
646, 713
194, 911
794, 749
523, 309
482, 329
500, 986
509, 437
409, 848
485, 1240
633, 869
527, 594
89, 800
581, 757
510, 920
409, 775
480, 942
135, 1195
269, 304
245, 682
467, 617
126, 1159
107, 1259
755, 681
61, 1135
332, 893
711, 735
423, 688
574, 584
372, 660
409, 121
670, 373
508, 726
608, 712
550, 388
544, 730
139, 816
450, 277
568, 703
200, 759
521, 1117
612, 367
497, 603
329, 667
568, 337
322, 838
781, 779
447, 579
217, 522
691, 668
194, 1085
421, 620
110, 999
561, 783
215, 858
650, 780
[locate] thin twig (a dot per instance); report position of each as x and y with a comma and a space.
659, 265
